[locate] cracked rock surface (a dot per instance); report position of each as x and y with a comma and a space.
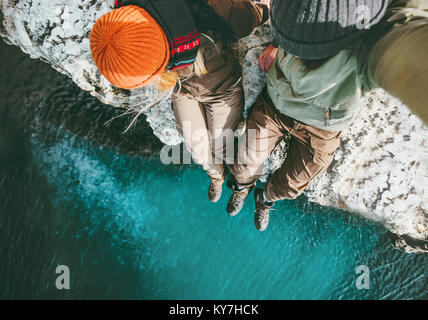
380, 171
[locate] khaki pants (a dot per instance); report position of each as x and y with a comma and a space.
310, 154
207, 124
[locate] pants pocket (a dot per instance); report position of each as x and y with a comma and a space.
323, 150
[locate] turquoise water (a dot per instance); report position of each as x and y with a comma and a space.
132, 228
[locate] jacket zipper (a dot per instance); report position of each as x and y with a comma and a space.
326, 116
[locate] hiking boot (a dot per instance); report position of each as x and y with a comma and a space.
261, 216
215, 189
237, 200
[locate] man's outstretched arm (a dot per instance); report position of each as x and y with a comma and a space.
399, 64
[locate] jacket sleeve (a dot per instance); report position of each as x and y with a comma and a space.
399, 65
242, 15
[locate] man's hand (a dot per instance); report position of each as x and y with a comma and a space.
267, 58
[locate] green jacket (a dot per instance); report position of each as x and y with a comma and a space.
328, 97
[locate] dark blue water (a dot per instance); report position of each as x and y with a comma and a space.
129, 227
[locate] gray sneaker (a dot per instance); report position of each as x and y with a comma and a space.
237, 200
216, 188
261, 216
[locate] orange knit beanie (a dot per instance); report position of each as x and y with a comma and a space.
129, 47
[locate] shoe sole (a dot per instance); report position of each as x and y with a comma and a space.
256, 192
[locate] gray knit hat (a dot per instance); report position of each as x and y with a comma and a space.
316, 29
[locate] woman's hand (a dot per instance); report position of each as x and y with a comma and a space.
267, 58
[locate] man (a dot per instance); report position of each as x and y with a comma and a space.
329, 53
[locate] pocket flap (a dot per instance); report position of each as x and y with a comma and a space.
324, 150
325, 146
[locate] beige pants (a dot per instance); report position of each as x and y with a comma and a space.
207, 124
310, 153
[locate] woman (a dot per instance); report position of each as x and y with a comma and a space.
183, 45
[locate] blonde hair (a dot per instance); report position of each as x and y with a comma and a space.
166, 83
169, 79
